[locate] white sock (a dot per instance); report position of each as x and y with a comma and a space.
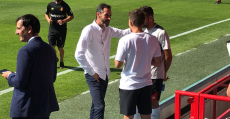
156, 113
137, 115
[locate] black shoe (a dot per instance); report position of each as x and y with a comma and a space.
218, 2
61, 65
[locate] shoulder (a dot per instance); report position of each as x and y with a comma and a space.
152, 37
161, 30
159, 27
88, 28
128, 36
64, 3
51, 3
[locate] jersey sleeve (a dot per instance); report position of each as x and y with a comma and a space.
48, 9
164, 40
68, 11
121, 51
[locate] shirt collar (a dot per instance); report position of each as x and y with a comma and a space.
32, 38
97, 26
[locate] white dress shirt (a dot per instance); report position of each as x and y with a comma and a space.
93, 48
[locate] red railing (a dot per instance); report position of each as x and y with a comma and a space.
197, 100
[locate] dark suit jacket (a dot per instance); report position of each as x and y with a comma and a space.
33, 82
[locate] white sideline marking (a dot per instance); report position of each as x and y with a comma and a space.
111, 82
211, 41
111, 57
199, 28
184, 52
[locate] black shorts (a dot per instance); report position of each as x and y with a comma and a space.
141, 98
57, 39
156, 89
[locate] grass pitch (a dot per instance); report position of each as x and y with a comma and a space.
176, 16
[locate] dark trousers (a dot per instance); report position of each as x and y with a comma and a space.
97, 92
46, 116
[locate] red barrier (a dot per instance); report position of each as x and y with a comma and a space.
197, 100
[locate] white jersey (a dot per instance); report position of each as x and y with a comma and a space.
163, 38
136, 50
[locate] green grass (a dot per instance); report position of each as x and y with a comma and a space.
176, 16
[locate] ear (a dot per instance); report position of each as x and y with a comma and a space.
130, 23
98, 13
29, 29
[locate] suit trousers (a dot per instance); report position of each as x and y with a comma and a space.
97, 92
45, 116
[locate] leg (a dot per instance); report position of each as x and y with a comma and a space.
146, 116
60, 45
52, 41
137, 115
156, 93
128, 117
61, 53
97, 91
128, 99
144, 102
55, 52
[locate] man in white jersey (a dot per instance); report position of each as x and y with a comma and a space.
92, 53
158, 73
138, 50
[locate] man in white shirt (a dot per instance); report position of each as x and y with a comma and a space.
138, 51
158, 73
92, 53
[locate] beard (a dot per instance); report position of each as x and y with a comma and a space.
105, 22
145, 25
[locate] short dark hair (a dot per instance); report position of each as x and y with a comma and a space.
147, 10
137, 17
30, 20
101, 7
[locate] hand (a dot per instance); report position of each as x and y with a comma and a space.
50, 21
96, 76
166, 78
61, 22
6, 74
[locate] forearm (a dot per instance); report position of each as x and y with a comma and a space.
168, 59
69, 18
118, 64
167, 64
156, 61
81, 59
47, 17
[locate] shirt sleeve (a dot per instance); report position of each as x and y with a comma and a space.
48, 9
69, 11
121, 51
157, 48
164, 40
24, 64
81, 50
118, 33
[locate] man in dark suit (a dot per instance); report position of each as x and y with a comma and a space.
34, 96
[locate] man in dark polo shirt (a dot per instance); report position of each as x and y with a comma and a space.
58, 13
